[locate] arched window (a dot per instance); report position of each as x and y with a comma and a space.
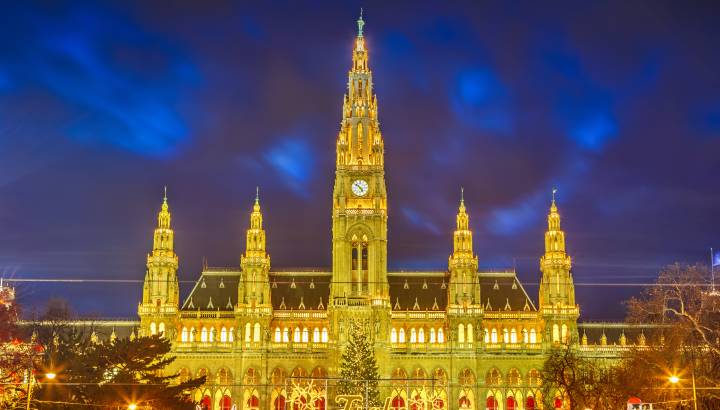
184, 335
305, 335
564, 333
192, 334
513, 335
248, 332
256, 335
487, 335
461, 333
286, 335
494, 336
492, 403
530, 403
278, 335
533, 336
525, 335
316, 335
204, 335
402, 335
513, 377
153, 329
441, 335
493, 377
212, 334
296, 335
534, 378
231, 334
421, 335
556, 333
432, 335
413, 335
161, 329
324, 335
223, 335
393, 335
511, 403
470, 335
506, 338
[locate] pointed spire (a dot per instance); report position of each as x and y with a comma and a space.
554, 237
164, 215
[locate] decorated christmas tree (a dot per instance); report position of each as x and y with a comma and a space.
358, 367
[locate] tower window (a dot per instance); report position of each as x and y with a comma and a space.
556, 333
564, 333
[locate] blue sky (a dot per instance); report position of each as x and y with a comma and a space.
102, 104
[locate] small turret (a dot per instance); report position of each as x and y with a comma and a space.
462, 264
255, 262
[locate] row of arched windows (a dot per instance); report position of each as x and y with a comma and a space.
417, 335
301, 335
560, 334
465, 333
207, 335
511, 335
156, 329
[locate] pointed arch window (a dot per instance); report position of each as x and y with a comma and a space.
324, 335
461, 333
153, 329
393, 335
256, 335
248, 332
525, 336
555, 333
564, 333
296, 335
212, 334
421, 335
440, 335
506, 337
161, 329
231, 334
401, 335
305, 335
432, 335
278, 335
533, 336
192, 334
487, 335
470, 336
184, 335
494, 336
204, 335
513, 336
413, 335
316, 335
286, 335
223, 335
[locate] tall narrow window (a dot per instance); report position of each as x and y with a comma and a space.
441, 335
525, 336
494, 336
248, 332
231, 334
487, 335
296, 335
286, 335
204, 335
432, 335
192, 334
316, 335
401, 335
161, 329
354, 257
305, 335
184, 335
470, 336
153, 329
223, 335
212, 334
324, 335
413, 335
506, 338
421, 335
364, 250
393, 335
556, 333
461, 333
564, 333
533, 336
256, 336
513, 335
278, 335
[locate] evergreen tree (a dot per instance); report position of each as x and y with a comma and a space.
358, 367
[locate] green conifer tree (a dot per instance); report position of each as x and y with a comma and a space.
358, 368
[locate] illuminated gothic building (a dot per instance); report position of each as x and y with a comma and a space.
465, 338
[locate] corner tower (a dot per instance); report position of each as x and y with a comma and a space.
463, 264
254, 287
557, 291
160, 289
359, 211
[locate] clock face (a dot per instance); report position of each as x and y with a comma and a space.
360, 187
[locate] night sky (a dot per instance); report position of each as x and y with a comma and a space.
617, 105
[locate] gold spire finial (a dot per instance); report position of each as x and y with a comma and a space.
554, 191
257, 194
462, 195
360, 23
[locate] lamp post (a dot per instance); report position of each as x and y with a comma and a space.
675, 379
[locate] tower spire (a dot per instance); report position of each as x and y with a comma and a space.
255, 262
360, 23
462, 263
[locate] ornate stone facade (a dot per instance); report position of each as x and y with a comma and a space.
469, 339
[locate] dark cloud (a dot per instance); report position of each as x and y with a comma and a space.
614, 103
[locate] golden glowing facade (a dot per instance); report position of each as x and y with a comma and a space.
471, 339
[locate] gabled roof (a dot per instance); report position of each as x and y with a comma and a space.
501, 291
300, 290
425, 291
215, 290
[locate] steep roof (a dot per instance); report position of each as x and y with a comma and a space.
502, 291
300, 290
216, 289
418, 290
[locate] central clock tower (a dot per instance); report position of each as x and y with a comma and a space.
359, 289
